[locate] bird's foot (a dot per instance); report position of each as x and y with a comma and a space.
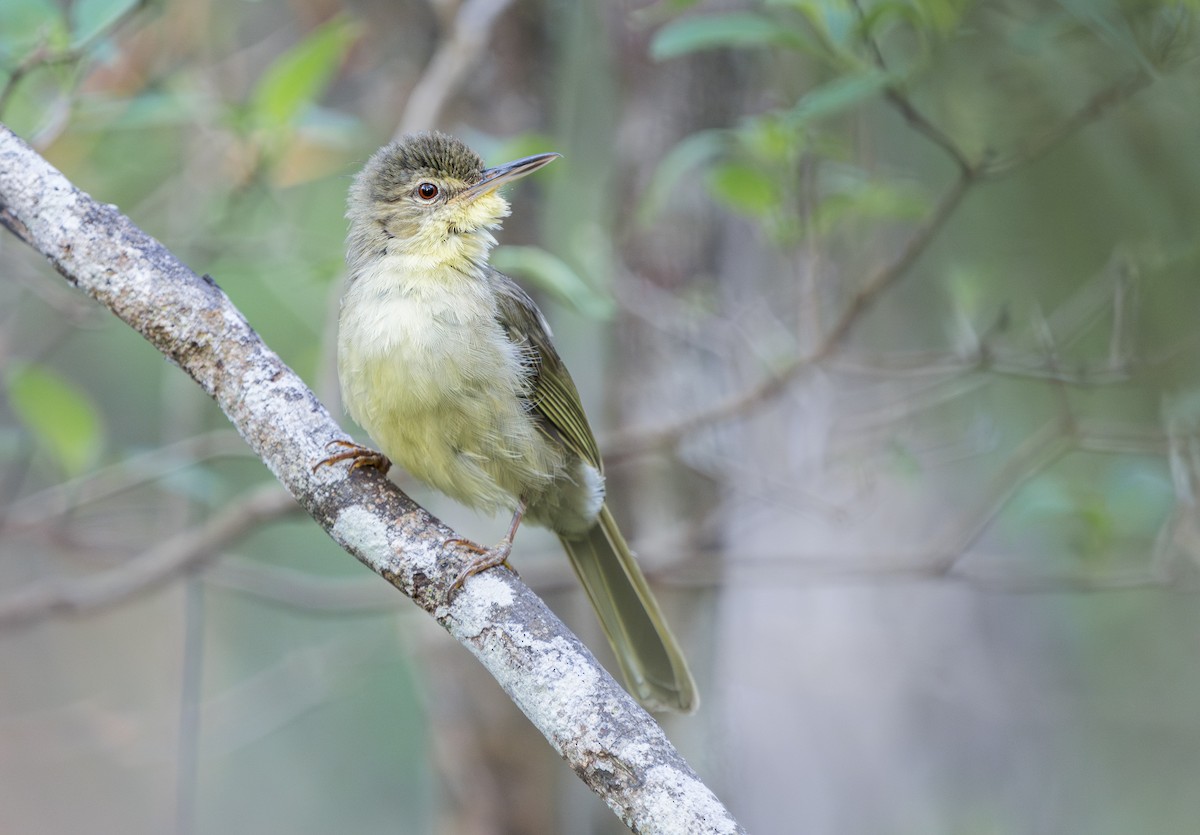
361, 456
487, 558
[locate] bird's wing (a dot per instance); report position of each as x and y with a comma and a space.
554, 395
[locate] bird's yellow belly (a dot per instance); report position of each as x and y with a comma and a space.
442, 392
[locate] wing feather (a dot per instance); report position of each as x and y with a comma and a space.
553, 393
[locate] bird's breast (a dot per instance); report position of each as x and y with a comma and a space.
413, 340
427, 370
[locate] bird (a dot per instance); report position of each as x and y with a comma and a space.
450, 368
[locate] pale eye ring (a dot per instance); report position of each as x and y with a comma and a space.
427, 191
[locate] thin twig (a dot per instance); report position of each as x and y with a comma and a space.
1035, 454
920, 123
128, 474
628, 444
917, 120
913, 248
457, 52
42, 57
632, 442
303, 590
149, 570
1093, 109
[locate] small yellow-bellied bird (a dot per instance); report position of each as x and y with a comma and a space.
448, 365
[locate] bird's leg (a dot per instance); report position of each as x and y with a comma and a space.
361, 456
488, 557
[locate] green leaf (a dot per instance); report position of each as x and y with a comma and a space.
879, 18
744, 189
769, 137
944, 16
26, 23
298, 77
736, 29
838, 95
58, 415
835, 20
89, 17
554, 275
691, 153
870, 201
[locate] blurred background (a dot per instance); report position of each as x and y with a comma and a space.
885, 311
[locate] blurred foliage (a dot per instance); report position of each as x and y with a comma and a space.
299, 76
60, 418
551, 274
755, 167
1024, 388
793, 167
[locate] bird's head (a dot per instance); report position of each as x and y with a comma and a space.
428, 195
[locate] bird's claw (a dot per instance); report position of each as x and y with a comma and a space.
361, 456
487, 558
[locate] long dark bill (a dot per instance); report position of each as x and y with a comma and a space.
501, 175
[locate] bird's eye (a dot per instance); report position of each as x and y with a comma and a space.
428, 191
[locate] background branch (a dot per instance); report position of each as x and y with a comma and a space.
468, 30
106, 482
608, 740
43, 56
152, 569
639, 441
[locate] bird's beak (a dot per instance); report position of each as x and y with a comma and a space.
501, 175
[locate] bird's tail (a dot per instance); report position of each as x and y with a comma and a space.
650, 659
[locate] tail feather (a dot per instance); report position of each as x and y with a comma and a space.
651, 660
